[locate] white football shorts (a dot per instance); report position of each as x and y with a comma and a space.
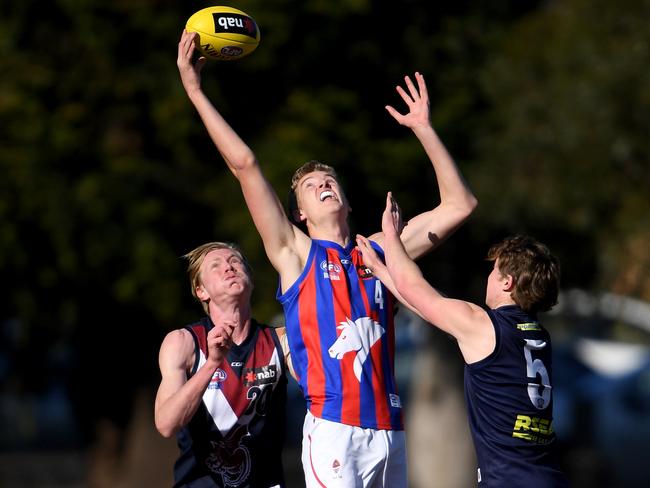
337, 455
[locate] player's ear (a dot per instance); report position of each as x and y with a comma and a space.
508, 283
202, 294
298, 216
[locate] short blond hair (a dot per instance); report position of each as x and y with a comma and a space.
308, 167
195, 259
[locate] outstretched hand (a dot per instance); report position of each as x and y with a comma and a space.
190, 73
417, 101
392, 225
391, 220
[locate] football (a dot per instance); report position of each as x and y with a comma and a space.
225, 33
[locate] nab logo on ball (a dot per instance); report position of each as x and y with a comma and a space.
224, 33
241, 24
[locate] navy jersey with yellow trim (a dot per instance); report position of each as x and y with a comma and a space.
510, 405
236, 436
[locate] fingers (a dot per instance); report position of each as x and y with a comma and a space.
391, 222
187, 40
223, 330
367, 251
220, 337
362, 242
186, 44
391, 204
416, 99
422, 86
415, 95
405, 97
394, 113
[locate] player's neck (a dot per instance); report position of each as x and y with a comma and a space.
501, 302
235, 312
241, 332
333, 231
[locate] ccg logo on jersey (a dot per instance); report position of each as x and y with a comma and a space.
260, 376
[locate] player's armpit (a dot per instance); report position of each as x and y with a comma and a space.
286, 352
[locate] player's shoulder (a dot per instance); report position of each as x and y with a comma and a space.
279, 331
178, 336
177, 343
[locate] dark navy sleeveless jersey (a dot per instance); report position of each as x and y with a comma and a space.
510, 406
236, 436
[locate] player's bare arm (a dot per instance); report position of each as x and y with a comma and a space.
286, 246
376, 265
457, 202
286, 351
468, 323
178, 398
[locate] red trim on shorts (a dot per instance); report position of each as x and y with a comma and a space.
311, 463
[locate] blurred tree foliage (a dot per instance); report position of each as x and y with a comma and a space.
565, 149
108, 176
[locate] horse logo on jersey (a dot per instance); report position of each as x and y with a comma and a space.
358, 336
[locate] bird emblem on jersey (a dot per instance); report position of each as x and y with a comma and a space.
231, 458
358, 336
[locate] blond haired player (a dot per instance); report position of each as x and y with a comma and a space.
223, 387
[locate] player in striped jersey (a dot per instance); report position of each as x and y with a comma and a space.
223, 387
507, 352
339, 316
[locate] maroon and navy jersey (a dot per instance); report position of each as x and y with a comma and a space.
340, 328
236, 436
510, 405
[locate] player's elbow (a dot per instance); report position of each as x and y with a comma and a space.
243, 163
468, 205
165, 428
166, 432
462, 209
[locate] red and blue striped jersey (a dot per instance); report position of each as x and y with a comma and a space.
340, 328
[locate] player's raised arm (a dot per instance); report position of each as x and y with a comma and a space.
177, 398
281, 239
457, 202
465, 321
